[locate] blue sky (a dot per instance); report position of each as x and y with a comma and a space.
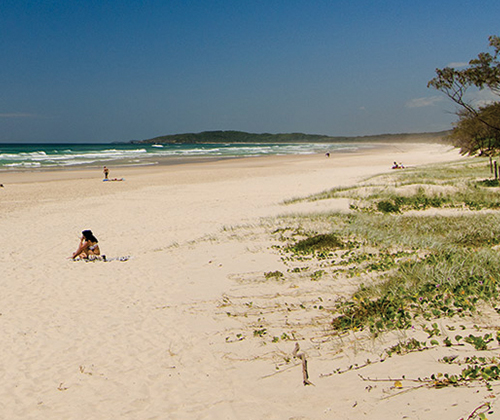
118, 70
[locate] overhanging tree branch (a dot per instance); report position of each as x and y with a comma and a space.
483, 72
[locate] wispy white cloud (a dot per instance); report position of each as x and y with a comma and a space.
482, 97
478, 98
17, 115
421, 102
457, 65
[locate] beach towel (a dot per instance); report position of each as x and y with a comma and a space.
103, 258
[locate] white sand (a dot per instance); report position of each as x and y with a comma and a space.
151, 338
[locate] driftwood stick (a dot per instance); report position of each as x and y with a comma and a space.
392, 379
405, 391
483, 407
302, 357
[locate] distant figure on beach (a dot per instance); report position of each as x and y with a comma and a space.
327, 154
88, 246
106, 173
397, 166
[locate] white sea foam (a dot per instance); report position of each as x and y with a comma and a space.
36, 156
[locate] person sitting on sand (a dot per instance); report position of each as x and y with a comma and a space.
88, 246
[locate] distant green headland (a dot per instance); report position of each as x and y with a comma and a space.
208, 137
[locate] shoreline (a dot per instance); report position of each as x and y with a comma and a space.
43, 157
14, 176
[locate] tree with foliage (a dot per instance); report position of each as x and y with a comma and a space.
472, 135
479, 127
483, 72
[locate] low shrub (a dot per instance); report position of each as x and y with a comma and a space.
317, 243
387, 207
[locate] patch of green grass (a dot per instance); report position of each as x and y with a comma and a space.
386, 206
333, 193
276, 275
489, 183
443, 284
317, 243
389, 193
425, 232
421, 201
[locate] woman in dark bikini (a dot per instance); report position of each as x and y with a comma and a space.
88, 246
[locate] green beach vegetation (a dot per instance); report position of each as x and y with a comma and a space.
425, 239
476, 133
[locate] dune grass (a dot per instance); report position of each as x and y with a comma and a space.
464, 184
425, 265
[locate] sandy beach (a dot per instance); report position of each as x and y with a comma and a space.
172, 332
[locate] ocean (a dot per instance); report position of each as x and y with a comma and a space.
15, 157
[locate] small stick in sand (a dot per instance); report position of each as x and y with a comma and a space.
302, 357
483, 407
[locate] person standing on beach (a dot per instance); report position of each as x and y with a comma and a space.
106, 173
